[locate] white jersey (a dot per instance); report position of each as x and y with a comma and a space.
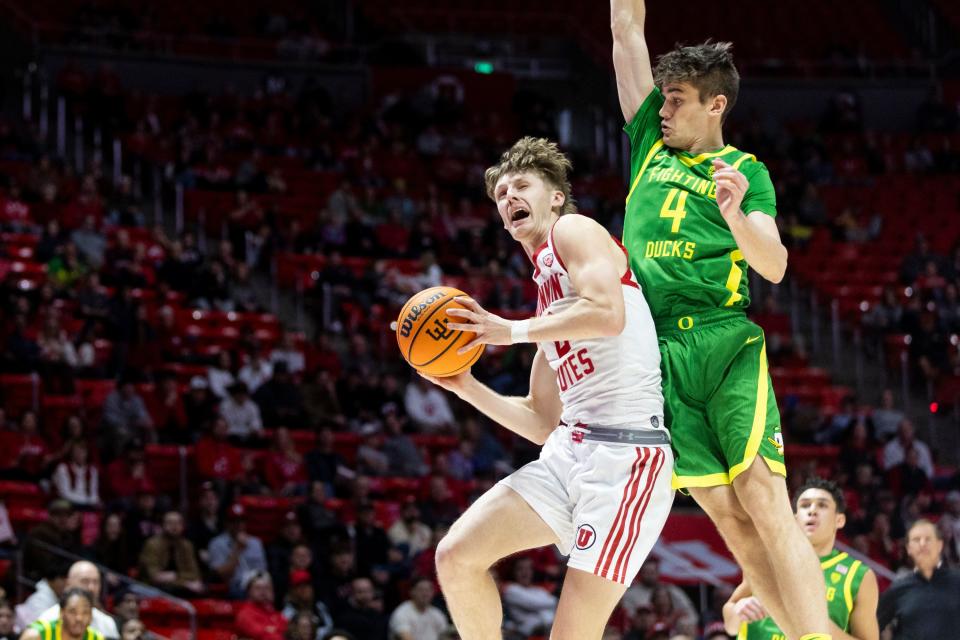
612, 382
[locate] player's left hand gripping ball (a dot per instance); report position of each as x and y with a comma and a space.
490, 328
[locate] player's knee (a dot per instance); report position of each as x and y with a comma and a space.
453, 556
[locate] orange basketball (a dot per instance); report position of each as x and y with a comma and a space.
423, 337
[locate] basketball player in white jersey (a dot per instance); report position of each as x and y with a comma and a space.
600, 490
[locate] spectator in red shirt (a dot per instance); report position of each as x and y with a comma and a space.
128, 475
285, 471
25, 452
217, 458
171, 415
14, 212
257, 618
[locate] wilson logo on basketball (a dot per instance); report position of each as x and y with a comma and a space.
548, 259
407, 325
586, 536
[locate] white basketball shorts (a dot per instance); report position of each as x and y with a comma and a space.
606, 502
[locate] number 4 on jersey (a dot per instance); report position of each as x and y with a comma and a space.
678, 213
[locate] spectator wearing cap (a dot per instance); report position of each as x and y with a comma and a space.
125, 417
200, 406
205, 526
285, 472
85, 575
217, 458
242, 414
46, 593
76, 478
235, 553
168, 560
257, 619
409, 532
301, 599
363, 614
61, 530
923, 604
280, 400
417, 619
278, 552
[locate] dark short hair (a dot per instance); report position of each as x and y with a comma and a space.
923, 521
708, 67
824, 485
75, 592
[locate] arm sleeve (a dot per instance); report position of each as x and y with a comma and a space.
761, 195
644, 130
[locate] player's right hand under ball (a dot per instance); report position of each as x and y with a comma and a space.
454, 384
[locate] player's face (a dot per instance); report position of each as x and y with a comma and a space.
817, 515
685, 120
526, 205
77, 616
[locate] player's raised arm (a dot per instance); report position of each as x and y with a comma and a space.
631, 59
532, 417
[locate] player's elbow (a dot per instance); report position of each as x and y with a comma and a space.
614, 320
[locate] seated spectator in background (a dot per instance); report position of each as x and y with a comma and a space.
303, 626
278, 552
279, 399
256, 371
25, 451
234, 554
6, 621
363, 615
59, 357
320, 401
886, 418
168, 561
403, 456
171, 417
74, 623
85, 575
242, 414
126, 606
895, 451
837, 427
128, 475
301, 600
46, 594
217, 458
369, 540
206, 525
77, 479
93, 305
908, 478
257, 619
528, 606
417, 619
133, 629
61, 530
427, 406
221, 376
288, 353
143, 519
250, 482
858, 448
333, 587
323, 463
409, 532
440, 507
200, 407
641, 592
90, 243
125, 418
111, 548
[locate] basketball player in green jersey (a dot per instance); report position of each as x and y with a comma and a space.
698, 214
76, 614
851, 585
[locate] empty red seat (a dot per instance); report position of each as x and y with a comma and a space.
163, 461
20, 392
22, 494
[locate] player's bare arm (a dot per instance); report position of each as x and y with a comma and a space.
592, 261
742, 607
755, 232
863, 619
533, 417
631, 59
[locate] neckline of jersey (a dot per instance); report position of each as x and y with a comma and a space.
700, 157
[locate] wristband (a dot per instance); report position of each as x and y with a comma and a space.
520, 331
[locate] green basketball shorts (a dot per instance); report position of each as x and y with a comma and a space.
718, 398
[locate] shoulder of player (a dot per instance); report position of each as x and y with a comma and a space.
746, 162
573, 228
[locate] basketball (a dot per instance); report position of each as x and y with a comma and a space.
424, 340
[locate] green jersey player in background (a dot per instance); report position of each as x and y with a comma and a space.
698, 214
851, 585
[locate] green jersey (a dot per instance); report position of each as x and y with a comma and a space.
680, 247
53, 631
843, 576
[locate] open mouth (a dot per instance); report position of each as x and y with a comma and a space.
519, 214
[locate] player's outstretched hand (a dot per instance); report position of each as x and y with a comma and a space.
749, 609
454, 384
490, 329
732, 186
